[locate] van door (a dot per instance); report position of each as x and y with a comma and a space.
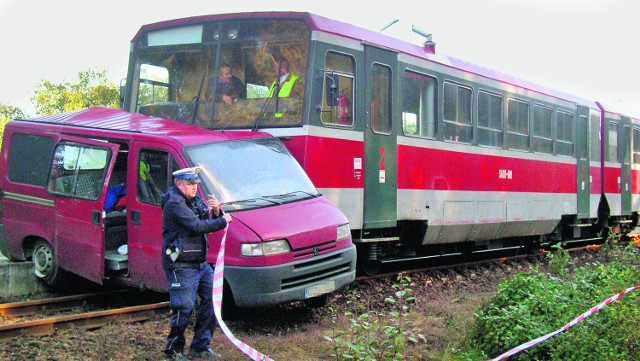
77, 178
152, 165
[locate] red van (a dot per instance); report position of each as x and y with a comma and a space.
80, 193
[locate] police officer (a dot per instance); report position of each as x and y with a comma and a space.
186, 222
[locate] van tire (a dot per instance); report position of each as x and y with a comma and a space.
45, 267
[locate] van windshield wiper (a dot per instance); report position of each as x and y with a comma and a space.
290, 194
252, 200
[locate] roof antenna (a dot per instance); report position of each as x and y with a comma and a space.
389, 25
429, 45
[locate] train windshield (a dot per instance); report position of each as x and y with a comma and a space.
231, 74
246, 174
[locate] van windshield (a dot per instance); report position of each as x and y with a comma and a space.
251, 173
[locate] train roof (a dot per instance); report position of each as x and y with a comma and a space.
110, 122
323, 24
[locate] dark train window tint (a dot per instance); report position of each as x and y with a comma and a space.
541, 140
457, 113
419, 105
594, 137
381, 99
564, 133
582, 143
517, 124
612, 144
636, 145
29, 158
343, 67
489, 119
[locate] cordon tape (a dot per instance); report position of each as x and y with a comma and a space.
575, 321
218, 282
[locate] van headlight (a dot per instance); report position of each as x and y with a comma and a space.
265, 248
343, 231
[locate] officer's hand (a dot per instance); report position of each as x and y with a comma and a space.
227, 217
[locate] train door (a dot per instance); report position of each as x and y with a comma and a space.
77, 178
584, 174
625, 172
153, 164
380, 142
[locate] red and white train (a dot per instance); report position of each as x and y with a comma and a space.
420, 150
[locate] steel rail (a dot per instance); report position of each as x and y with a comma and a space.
89, 320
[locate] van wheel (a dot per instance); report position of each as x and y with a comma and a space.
46, 268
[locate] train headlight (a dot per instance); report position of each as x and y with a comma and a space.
265, 248
343, 231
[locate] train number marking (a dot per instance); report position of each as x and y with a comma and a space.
505, 174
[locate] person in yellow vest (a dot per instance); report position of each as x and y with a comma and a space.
284, 80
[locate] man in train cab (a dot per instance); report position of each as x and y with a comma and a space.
229, 87
284, 80
186, 223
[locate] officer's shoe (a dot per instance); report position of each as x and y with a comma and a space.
207, 354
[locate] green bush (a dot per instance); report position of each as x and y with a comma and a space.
535, 303
377, 335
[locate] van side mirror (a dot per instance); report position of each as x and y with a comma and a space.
332, 86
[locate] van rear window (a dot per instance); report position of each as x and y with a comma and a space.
29, 158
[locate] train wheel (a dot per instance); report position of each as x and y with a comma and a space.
46, 267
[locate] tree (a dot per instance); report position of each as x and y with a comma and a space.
92, 89
7, 113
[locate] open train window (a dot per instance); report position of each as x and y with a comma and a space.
419, 94
457, 113
490, 130
339, 72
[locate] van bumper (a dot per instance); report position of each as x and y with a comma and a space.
295, 281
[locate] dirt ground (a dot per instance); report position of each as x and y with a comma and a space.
442, 312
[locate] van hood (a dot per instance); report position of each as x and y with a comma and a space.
303, 224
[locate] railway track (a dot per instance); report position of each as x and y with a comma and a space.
71, 311
12, 314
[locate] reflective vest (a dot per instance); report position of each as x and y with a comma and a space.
285, 88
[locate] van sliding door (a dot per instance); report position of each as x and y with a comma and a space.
77, 178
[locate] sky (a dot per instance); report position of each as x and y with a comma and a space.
588, 48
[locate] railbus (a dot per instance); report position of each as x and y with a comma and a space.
422, 151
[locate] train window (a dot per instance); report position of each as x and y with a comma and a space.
595, 137
419, 105
29, 158
564, 133
344, 67
381, 99
612, 146
517, 124
583, 138
489, 119
541, 140
636, 145
457, 113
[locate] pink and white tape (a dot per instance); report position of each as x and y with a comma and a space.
218, 282
575, 321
